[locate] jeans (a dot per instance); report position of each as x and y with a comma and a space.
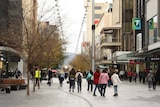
149, 84
79, 85
95, 88
72, 84
90, 85
115, 89
103, 89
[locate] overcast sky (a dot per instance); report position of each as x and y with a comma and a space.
72, 13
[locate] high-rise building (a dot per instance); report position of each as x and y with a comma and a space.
100, 8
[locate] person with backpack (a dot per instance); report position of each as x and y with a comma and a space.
61, 77
79, 77
71, 78
89, 79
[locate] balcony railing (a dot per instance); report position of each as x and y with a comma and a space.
110, 41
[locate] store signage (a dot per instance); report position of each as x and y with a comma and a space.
136, 23
136, 61
152, 59
131, 62
151, 24
155, 59
139, 42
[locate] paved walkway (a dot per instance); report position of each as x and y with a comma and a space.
130, 95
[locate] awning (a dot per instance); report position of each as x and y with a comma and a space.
126, 58
9, 54
103, 66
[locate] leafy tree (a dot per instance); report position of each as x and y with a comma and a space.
81, 61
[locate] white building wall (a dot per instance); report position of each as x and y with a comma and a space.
20, 66
152, 8
88, 5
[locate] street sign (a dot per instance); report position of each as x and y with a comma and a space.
151, 24
136, 23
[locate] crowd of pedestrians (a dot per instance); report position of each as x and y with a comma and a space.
100, 79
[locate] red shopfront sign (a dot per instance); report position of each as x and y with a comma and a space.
131, 62
134, 62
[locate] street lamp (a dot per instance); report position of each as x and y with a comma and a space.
93, 38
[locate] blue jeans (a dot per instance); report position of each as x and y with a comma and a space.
72, 84
150, 83
79, 85
115, 89
95, 88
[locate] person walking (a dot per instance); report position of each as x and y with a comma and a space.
121, 75
103, 81
71, 77
90, 80
61, 77
37, 77
130, 75
150, 77
154, 80
115, 79
135, 76
96, 76
49, 76
79, 77
143, 75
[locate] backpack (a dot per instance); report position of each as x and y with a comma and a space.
61, 77
79, 76
89, 76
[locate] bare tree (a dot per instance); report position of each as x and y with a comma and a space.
31, 38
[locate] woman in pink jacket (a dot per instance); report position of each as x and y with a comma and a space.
103, 81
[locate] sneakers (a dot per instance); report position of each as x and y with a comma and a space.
103, 95
115, 95
94, 95
70, 90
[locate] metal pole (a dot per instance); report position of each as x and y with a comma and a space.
93, 38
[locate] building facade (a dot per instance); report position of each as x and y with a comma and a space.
13, 20
116, 38
100, 8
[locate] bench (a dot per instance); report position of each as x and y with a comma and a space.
15, 84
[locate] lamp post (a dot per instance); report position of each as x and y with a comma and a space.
93, 38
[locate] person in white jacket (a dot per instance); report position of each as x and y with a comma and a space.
115, 80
